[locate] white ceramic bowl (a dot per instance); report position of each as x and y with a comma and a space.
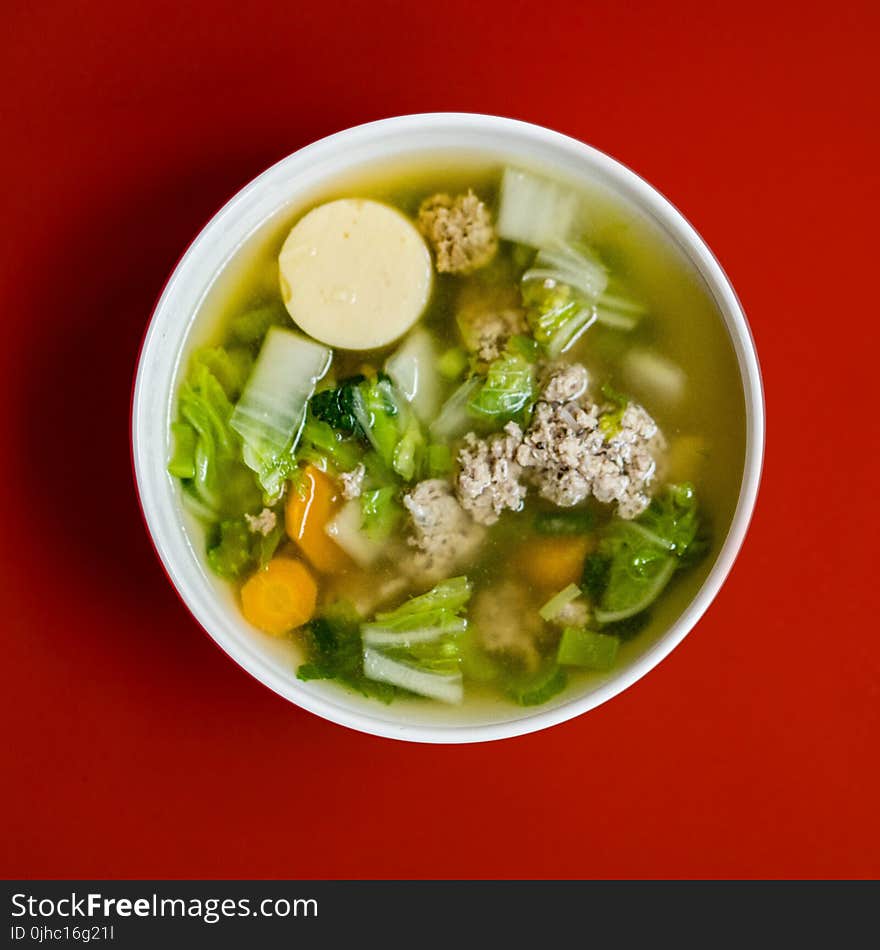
278, 190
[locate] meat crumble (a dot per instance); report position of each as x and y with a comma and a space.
442, 533
486, 332
573, 448
460, 231
353, 482
489, 476
263, 523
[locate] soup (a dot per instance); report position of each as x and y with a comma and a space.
460, 433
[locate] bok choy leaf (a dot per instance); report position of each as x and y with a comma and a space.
271, 412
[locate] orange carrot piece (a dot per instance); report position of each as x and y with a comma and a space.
310, 506
554, 562
279, 597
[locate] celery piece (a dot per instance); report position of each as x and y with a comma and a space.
593, 651
533, 689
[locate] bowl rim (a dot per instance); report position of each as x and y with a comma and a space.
649, 200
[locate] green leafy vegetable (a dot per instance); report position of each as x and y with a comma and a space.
508, 392
271, 413
374, 411
418, 645
233, 549
335, 652
424, 618
232, 553
636, 559
560, 291
381, 512
638, 572
556, 317
335, 407
673, 516
319, 440
409, 451
230, 366
220, 482
376, 407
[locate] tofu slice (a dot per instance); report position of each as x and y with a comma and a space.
355, 274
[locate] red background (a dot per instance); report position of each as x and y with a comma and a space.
134, 747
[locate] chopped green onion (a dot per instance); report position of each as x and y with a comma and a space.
560, 600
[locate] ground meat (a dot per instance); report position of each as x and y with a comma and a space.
489, 476
568, 455
263, 523
507, 624
460, 231
564, 383
353, 482
486, 332
443, 535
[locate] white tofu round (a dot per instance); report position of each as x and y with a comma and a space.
355, 274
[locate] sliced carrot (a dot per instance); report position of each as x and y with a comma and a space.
310, 506
279, 597
553, 562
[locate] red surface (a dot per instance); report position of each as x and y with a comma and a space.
134, 747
